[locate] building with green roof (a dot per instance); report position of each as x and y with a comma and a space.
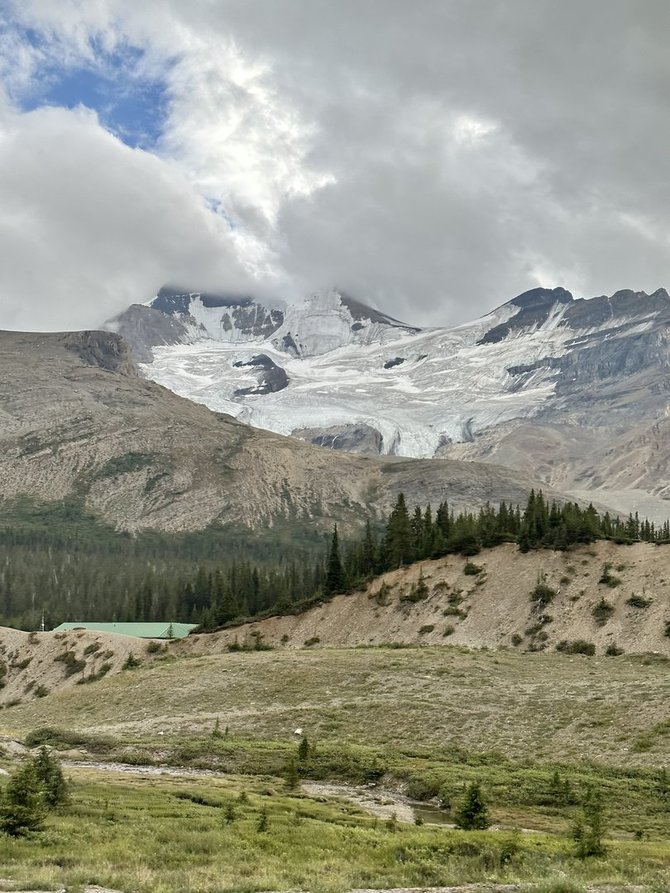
162, 630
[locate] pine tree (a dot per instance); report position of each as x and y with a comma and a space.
472, 814
335, 580
262, 824
22, 807
399, 546
50, 774
589, 829
291, 775
368, 552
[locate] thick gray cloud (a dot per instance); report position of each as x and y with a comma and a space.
434, 158
88, 225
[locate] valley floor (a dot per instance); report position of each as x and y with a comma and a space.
164, 799
186, 773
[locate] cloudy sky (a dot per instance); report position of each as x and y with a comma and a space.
433, 157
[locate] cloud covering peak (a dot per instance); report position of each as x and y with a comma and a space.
432, 158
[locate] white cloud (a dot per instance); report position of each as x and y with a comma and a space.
88, 225
434, 158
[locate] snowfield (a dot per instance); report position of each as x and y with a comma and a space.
418, 389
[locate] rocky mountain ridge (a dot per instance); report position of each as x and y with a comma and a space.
78, 422
576, 391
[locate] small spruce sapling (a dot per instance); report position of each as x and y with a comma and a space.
50, 774
291, 776
589, 829
472, 814
262, 825
22, 808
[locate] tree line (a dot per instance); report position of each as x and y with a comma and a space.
419, 535
106, 576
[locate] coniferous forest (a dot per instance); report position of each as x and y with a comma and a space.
62, 564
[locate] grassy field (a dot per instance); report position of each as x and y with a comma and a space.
166, 835
426, 721
544, 706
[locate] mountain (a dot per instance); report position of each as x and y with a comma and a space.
572, 391
78, 422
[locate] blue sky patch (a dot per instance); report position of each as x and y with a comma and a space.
129, 103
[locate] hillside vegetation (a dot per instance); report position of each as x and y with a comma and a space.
604, 595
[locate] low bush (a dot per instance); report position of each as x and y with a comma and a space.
471, 569
602, 612
638, 601
542, 594
72, 663
607, 578
579, 646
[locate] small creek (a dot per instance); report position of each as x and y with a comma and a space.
381, 802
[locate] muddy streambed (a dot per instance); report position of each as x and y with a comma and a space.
381, 802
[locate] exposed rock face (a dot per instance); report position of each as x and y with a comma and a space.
139, 456
144, 328
361, 439
271, 377
561, 387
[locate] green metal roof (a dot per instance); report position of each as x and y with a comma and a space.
160, 630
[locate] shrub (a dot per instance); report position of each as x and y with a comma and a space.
427, 628
131, 662
72, 663
542, 594
602, 612
313, 641
448, 630
607, 578
613, 650
92, 648
154, 647
41, 691
102, 671
382, 594
421, 789
560, 791
579, 646
418, 592
471, 569
64, 738
667, 629
638, 601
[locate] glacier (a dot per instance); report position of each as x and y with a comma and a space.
346, 364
